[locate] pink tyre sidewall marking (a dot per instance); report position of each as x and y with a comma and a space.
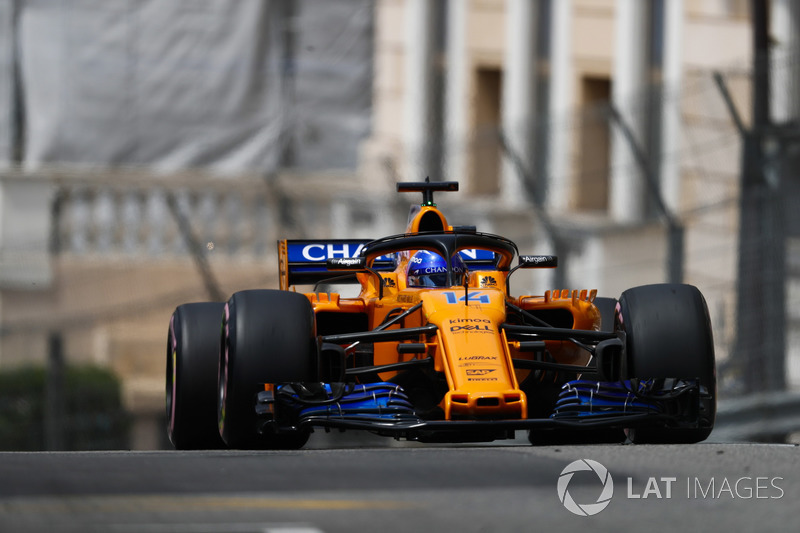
223, 377
174, 383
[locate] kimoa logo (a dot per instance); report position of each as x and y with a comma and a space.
585, 509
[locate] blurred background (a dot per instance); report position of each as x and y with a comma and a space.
153, 151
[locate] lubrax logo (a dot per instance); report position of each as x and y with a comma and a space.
477, 358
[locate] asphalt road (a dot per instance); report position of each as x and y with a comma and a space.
704, 487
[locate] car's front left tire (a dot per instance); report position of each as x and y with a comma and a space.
268, 336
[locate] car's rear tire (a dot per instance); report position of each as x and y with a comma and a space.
192, 359
668, 333
268, 336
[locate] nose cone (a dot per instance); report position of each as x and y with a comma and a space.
475, 354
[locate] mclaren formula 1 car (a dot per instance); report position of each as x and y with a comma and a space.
435, 348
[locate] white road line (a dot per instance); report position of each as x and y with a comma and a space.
186, 527
292, 529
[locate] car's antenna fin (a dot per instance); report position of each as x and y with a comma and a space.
427, 188
427, 194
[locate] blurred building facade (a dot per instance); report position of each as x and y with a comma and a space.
593, 129
623, 124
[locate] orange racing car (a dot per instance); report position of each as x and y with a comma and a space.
434, 348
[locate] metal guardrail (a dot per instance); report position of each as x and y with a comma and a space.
758, 417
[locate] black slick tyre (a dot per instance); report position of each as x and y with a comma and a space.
191, 391
668, 333
268, 336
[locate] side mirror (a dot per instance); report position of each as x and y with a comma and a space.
533, 261
355, 264
538, 261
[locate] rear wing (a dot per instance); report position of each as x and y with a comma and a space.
304, 262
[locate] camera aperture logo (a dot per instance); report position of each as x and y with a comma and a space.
606, 492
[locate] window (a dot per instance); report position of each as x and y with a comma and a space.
595, 143
485, 153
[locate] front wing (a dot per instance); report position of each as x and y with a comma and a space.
383, 408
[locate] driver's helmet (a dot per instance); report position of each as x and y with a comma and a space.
428, 269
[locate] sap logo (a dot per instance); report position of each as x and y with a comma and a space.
480, 329
322, 252
453, 298
479, 371
461, 320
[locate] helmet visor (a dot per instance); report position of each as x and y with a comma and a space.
428, 280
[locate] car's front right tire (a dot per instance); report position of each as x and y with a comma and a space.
668, 332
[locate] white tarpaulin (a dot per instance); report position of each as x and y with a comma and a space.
174, 84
